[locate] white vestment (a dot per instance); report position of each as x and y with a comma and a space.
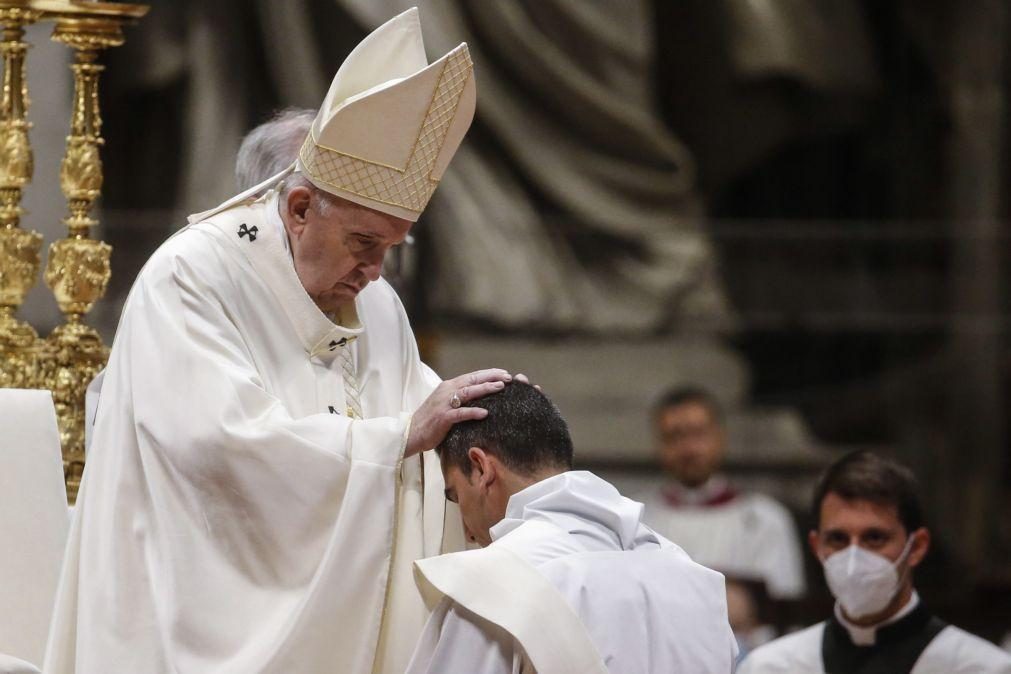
748, 537
645, 606
952, 651
232, 517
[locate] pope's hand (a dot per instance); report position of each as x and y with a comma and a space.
447, 406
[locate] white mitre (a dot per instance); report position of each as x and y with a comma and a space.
391, 122
389, 125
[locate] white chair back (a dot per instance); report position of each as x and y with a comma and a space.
34, 520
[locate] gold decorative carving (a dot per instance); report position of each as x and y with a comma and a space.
78, 269
16, 163
19, 249
73, 355
78, 273
18, 352
19, 264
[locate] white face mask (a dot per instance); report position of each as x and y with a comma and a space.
863, 582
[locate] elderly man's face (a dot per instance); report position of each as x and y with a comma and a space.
339, 253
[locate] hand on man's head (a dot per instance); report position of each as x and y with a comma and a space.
447, 405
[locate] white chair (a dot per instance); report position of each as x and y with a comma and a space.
34, 521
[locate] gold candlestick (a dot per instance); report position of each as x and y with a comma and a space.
19, 248
78, 271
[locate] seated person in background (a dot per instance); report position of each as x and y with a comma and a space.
749, 537
870, 537
571, 579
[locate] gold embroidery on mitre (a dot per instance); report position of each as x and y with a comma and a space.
412, 186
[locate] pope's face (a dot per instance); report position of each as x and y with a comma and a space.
339, 252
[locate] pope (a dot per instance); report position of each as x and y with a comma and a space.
258, 484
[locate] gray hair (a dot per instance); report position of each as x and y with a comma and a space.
272, 147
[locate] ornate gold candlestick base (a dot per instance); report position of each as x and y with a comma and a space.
74, 355
78, 273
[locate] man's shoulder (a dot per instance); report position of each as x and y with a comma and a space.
955, 651
766, 509
197, 246
796, 652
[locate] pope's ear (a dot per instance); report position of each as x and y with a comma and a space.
296, 206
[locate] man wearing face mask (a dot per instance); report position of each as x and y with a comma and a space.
870, 538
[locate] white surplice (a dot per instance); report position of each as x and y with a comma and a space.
232, 517
747, 537
646, 607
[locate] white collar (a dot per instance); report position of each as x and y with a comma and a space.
699, 496
866, 636
582, 504
274, 219
267, 252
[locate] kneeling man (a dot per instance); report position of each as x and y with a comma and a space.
569, 578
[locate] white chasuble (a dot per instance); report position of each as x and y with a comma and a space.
232, 517
611, 596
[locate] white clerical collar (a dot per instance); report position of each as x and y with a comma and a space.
321, 335
866, 636
715, 491
582, 504
274, 219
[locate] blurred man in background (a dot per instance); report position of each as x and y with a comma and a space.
570, 578
749, 537
870, 537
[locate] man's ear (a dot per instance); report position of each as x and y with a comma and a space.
812, 542
920, 546
296, 207
483, 464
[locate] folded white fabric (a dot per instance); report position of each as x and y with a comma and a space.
11, 665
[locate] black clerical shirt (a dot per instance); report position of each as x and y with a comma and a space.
896, 648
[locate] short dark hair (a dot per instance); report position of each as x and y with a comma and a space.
523, 429
685, 395
865, 476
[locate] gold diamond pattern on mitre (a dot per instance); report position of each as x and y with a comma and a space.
411, 187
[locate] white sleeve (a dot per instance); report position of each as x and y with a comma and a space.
782, 560
457, 640
11, 665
